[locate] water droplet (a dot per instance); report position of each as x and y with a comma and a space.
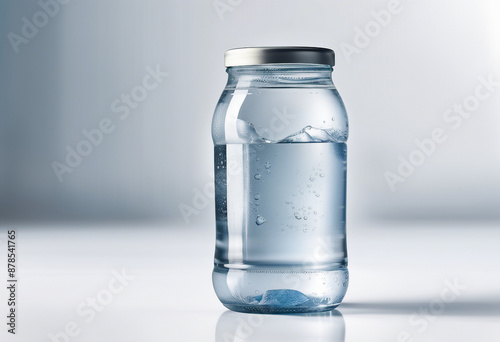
317, 195
267, 165
333, 118
312, 179
257, 196
322, 175
305, 217
260, 220
256, 291
298, 216
257, 176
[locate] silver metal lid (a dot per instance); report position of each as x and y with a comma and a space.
278, 54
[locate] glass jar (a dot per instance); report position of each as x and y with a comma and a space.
279, 131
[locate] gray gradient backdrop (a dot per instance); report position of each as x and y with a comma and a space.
427, 58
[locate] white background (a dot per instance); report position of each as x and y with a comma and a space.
427, 58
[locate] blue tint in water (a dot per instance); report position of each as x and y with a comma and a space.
283, 298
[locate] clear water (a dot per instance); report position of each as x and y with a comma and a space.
280, 211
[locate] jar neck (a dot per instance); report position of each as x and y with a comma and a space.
280, 75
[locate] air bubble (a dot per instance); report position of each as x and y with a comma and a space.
257, 176
305, 217
322, 175
312, 179
260, 220
257, 196
317, 195
298, 216
267, 165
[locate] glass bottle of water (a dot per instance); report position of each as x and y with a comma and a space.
279, 131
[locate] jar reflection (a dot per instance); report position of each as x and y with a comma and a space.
325, 326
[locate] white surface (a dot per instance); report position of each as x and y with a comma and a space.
396, 270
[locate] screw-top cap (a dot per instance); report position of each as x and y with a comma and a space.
278, 54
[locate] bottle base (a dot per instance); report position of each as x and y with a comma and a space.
271, 290
262, 309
